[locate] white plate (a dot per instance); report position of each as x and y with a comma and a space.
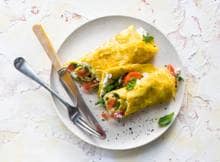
142, 127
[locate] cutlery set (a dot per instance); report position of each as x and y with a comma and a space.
79, 113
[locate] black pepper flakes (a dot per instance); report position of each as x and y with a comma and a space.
131, 131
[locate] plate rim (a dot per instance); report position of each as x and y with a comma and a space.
131, 147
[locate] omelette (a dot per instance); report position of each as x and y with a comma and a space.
139, 89
112, 78
130, 46
119, 70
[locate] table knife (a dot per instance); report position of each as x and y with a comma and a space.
66, 79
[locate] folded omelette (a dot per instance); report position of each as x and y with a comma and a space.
127, 47
130, 46
112, 77
146, 86
126, 84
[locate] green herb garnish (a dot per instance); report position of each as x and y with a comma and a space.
165, 120
111, 86
116, 95
148, 38
108, 88
179, 77
117, 105
131, 84
101, 101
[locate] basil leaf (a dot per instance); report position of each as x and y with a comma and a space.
148, 38
101, 101
131, 84
165, 120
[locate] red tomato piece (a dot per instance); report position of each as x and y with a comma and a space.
132, 75
171, 69
105, 115
111, 103
87, 86
81, 72
71, 68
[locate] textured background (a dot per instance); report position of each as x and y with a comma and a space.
30, 130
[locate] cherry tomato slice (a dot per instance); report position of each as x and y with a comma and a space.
81, 72
71, 68
132, 75
111, 103
87, 86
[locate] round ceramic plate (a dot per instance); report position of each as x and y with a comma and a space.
140, 128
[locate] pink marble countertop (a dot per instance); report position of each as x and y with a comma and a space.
30, 130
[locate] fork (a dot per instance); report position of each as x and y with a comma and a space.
73, 112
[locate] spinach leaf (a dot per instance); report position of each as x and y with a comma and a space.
116, 95
148, 38
101, 101
179, 77
108, 88
111, 86
131, 84
117, 105
165, 120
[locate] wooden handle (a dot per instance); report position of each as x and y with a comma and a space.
48, 47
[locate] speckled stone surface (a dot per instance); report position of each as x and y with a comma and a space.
30, 130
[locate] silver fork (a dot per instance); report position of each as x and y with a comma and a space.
74, 114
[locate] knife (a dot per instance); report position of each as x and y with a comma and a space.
66, 79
